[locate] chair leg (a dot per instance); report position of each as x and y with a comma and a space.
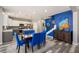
28, 46
18, 49
32, 50
25, 48
38, 46
44, 43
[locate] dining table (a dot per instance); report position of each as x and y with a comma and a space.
27, 38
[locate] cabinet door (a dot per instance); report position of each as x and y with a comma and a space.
60, 35
7, 37
67, 37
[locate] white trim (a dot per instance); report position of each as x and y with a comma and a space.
51, 29
50, 37
75, 43
75, 30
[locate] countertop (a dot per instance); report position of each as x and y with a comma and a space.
10, 30
7, 30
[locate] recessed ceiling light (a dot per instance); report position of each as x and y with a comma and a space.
45, 11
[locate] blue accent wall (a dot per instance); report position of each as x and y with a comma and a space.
58, 18
49, 25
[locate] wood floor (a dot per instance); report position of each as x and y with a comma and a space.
52, 46
62, 47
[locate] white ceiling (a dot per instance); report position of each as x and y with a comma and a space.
35, 12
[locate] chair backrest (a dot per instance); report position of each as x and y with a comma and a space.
26, 32
44, 33
17, 38
35, 39
32, 31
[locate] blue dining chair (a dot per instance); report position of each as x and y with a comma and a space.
27, 32
42, 37
31, 31
18, 41
34, 41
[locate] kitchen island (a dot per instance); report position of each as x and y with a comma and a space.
7, 36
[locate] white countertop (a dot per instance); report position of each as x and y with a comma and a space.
8, 30
27, 29
12, 30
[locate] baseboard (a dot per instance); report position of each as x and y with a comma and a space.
0, 44
75, 43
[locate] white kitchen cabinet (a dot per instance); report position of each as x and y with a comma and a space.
1, 24
5, 19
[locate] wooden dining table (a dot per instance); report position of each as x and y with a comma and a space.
27, 38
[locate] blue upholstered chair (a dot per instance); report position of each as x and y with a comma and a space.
27, 32
18, 41
35, 40
42, 37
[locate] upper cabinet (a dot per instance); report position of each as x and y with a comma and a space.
5, 19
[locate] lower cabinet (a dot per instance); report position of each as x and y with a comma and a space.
7, 37
63, 36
